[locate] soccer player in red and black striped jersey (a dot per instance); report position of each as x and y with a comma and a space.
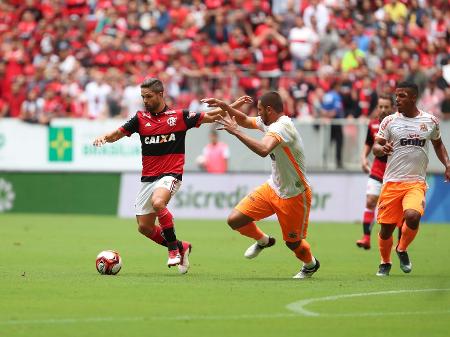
385, 107
162, 132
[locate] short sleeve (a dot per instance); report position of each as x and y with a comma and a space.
131, 126
192, 119
384, 130
436, 132
259, 124
281, 131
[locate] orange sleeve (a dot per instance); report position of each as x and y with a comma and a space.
253, 120
275, 135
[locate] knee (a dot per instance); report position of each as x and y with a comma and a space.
412, 218
158, 204
145, 230
233, 221
386, 231
293, 245
371, 203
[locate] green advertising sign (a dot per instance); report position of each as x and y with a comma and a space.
60, 144
81, 193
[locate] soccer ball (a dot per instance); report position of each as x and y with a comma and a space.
108, 262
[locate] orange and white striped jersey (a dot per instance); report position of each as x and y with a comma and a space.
288, 177
411, 136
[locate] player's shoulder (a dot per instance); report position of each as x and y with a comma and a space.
389, 119
429, 117
283, 122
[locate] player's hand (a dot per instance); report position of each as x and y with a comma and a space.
365, 165
388, 148
213, 102
99, 141
243, 100
447, 174
228, 124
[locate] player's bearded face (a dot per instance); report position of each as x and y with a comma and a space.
152, 100
262, 112
384, 108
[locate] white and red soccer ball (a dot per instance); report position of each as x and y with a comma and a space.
108, 262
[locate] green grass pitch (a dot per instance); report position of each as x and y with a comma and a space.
49, 285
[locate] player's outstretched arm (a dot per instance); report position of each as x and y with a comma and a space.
381, 147
108, 138
241, 118
364, 158
213, 115
441, 153
261, 147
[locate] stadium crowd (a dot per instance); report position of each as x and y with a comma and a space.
327, 58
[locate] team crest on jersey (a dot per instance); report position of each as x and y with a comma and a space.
191, 114
423, 127
172, 121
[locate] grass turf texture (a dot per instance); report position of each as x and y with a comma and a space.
49, 285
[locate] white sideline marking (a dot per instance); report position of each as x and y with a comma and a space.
299, 306
155, 318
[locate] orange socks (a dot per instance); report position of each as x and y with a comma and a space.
251, 230
385, 249
303, 252
408, 236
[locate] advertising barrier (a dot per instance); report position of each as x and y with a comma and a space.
74, 193
336, 197
214, 196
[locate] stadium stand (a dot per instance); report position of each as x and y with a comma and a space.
81, 58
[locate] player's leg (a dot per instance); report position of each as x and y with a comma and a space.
372, 194
368, 217
293, 216
148, 228
164, 189
389, 214
253, 207
145, 215
413, 205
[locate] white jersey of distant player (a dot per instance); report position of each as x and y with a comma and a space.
288, 177
411, 136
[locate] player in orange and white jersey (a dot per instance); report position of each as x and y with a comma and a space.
287, 193
404, 137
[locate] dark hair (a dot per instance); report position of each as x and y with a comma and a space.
387, 97
273, 99
409, 85
153, 84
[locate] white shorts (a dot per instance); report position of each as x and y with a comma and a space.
143, 203
373, 187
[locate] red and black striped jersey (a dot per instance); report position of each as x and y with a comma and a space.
379, 163
162, 140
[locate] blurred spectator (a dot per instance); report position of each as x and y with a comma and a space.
32, 109
316, 16
215, 155
97, 92
331, 108
131, 98
83, 57
431, 99
302, 43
